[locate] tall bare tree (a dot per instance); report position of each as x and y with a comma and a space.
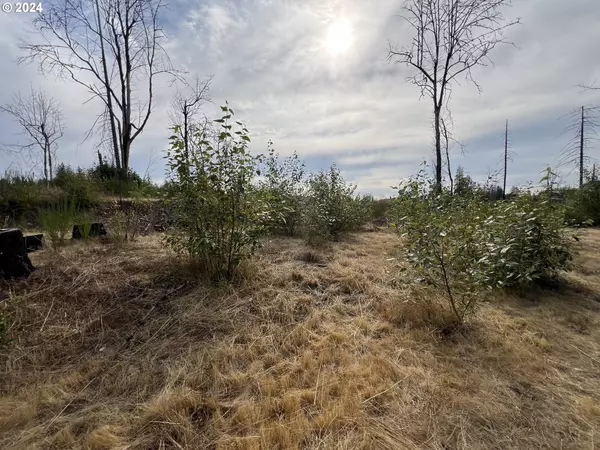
187, 105
450, 38
583, 130
40, 118
113, 49
506, 157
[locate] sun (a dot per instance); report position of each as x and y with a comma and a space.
339, 37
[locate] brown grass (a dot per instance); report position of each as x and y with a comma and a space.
121, 348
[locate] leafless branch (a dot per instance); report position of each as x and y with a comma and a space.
187, 105
583, 129
113, 49
40, 119
451, 37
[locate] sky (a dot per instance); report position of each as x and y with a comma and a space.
312, 76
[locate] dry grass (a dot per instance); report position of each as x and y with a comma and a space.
120, 348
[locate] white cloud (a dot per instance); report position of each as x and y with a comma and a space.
270, 61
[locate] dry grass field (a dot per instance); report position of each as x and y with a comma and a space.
119, 347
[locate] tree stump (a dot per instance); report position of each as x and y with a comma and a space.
34, 242
14, 261
95, 230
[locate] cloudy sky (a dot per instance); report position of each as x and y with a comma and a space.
312, 76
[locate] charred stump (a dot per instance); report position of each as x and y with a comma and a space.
33, 242
14, 261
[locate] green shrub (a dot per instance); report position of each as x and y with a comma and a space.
78, 186
125, 222
381, 208
112, 183
582, 206
22, 196
282, 188
465, 245
331, 208
217, 215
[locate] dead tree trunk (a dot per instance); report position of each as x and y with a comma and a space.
450, 38
581, 142
438, 149
505, 160
446, 136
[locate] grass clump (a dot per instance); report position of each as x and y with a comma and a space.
57, 221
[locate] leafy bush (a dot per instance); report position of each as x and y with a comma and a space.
125, 222
78, 186
283, 190
465, 245
381, 208
331, 208
217, 214
582, 206
111, 181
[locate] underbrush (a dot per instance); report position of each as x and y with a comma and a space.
22, 197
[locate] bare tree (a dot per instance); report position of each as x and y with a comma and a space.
451, 37
583, 126
186, 106
40, 118
113, 49
506, 157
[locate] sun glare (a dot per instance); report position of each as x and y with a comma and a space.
339, 37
